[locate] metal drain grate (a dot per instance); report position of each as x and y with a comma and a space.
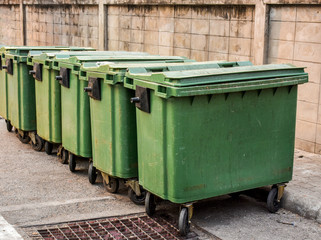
126, 227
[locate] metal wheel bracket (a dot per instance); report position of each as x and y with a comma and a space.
133, 184
59, 151
280, 191
20, 132
190, 208
32, 136
105, 177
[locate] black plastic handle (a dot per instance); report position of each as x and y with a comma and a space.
88, 89
58, 78
135, 100
4, 66
32, 72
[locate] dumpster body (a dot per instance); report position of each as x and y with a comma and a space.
21, 109
47, 99
48, 96
215, 132
113, 117
75, 110
21, 93
3, 90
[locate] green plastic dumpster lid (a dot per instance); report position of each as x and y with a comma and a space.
217, 80
45, 56
211, 76
88, 53
24, 50
109, 70
188, 66
151, 66
29, 48
78, 61
37, 53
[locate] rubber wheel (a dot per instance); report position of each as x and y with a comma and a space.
72, 162
9, 126
64, 156
139, 200
92, 173
112, 186
38, 145
48, 148
272, 201
183, 223
150, 205
25, 138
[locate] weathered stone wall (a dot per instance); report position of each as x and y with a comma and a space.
201, 33
269, 31
10, 26
295, 37
62, 25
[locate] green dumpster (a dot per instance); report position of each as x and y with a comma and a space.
48, 105
3, 94
75, 113
206, 133
20, 95
113, 121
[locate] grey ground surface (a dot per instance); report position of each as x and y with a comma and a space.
303, 193
37, 189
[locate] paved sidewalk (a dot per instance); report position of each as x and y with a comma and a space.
36, 189
303, 193
7, 231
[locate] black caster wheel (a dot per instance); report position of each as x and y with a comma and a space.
139, 200
183, 223
112, 186
38, 145
92, 173
150, 204
9, 126
64, 156
24, 138
72, 162
48, 148
272, 200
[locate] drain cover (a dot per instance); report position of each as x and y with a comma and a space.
125, 227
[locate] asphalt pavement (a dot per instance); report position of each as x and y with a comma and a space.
37, 189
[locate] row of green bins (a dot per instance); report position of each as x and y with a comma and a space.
20, 91
48, 97
113, 121
207, 133
75, 109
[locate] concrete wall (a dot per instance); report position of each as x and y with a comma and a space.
10, 25
295, 37
210, 33
269, 31
62, 25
